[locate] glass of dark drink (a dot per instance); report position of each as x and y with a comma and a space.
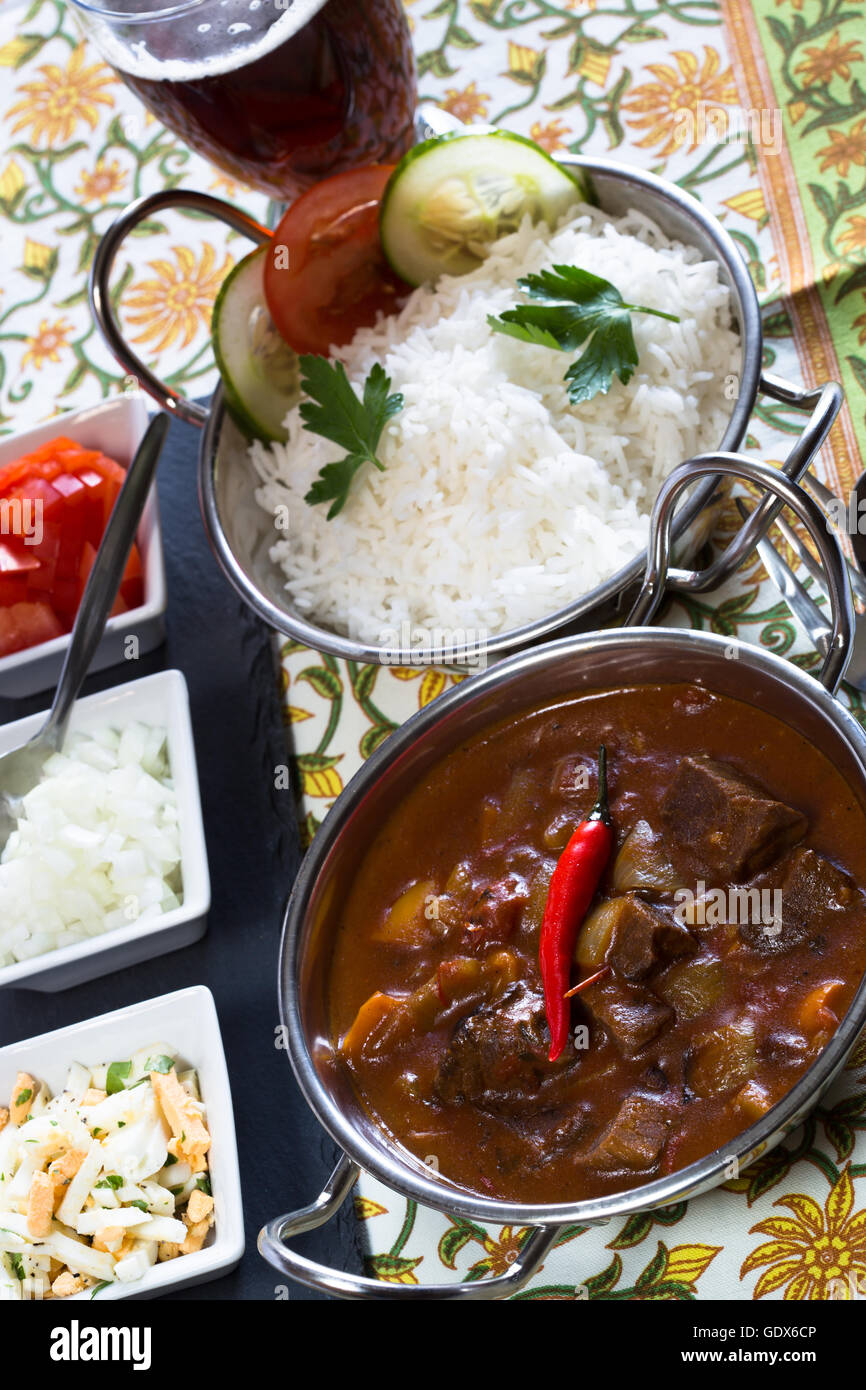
278, 93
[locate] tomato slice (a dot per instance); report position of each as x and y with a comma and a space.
337, 279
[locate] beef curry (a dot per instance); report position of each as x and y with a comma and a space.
728, 932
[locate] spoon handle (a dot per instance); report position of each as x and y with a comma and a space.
105, 577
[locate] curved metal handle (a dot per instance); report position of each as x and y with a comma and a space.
272, 1246
104, 578
824, 402
100, 278
658, 573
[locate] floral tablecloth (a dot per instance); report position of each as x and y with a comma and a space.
759, 110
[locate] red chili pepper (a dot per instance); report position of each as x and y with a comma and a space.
571, 891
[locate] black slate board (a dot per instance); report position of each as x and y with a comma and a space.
225, 654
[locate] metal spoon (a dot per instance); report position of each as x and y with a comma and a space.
21, 768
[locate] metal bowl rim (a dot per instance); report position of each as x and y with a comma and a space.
385, 1161
325, 640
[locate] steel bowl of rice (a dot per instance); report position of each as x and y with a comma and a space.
503, 513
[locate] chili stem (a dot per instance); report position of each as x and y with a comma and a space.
590, 980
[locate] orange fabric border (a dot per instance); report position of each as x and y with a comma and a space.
812, 336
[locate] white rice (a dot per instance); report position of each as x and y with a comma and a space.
500, 501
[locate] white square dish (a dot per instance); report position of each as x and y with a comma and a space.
115, 427
188, 1021
160, 699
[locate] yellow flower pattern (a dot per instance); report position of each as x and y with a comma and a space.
55, 105
834, 59
100, 183
670, 108
813, 1254
467, 105
846, 147
550, 135
173, 304
47, 344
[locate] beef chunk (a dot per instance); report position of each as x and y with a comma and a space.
495, 913
643, 937
723, 828
498, 1058
783, 1048
629, 1013
634, 1138
814, 894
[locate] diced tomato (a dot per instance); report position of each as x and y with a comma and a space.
46, 559
43, 518
26, 625
65, 597
16, 568
88, 555
132, 583
74, 524
60, 455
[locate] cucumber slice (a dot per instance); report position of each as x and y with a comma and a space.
450, 198
260, 372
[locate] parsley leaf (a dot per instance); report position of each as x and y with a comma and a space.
116, 1077
335, 413
161, 1064
577, 305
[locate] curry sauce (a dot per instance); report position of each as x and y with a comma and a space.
729, 927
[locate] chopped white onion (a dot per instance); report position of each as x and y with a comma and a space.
96, 844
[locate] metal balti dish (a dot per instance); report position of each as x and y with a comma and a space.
242, 534
566, 667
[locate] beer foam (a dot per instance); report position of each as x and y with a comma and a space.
181, 48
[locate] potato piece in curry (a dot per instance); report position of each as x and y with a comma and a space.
704, 1018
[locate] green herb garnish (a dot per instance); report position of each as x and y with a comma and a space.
577, 304
170, 1159
137, 1202
203, 1185
17, 1265
113, 1180
162, 1064
23, 1096
335, 413
99, 1287
117, 1074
